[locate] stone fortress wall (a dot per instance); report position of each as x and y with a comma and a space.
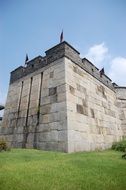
60, 102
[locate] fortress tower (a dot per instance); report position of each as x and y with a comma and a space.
61, 102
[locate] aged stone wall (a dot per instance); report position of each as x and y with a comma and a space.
93, 121
121, 104
62, 102
35, 113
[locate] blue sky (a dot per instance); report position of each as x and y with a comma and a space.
96, 28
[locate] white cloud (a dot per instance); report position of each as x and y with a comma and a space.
2, 95
2, 102
115, 67
117, 70
97, 54
1, 113
2, 98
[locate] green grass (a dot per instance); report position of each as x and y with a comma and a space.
23, 169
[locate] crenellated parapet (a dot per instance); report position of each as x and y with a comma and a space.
121, 92
61, 50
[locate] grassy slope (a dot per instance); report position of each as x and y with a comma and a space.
36, 170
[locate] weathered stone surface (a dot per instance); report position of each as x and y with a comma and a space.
92, 113
61, 102
52, 91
